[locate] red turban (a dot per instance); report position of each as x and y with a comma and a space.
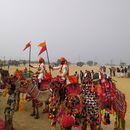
62, 59
42, 60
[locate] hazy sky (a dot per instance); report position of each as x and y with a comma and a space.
77, 29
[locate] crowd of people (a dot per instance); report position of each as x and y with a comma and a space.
123, 71
83, 75
120, 72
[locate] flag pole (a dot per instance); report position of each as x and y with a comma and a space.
48, 58
47, 55
29, 60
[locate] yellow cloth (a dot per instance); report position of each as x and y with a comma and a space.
5, 92
21, 104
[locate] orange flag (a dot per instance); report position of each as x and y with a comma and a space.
42, 44
27, 46
43, 47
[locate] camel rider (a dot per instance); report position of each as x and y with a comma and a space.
63, 73
63, 69
41, 70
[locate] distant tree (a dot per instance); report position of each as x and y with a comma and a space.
69, 62
16, 63
80, 63
95, 63
58, 62
9, 62
53, 63
122, 64
90, 63
13, 62
1, 63
24, 62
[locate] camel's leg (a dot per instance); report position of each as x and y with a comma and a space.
84, 125
37, 113
33, 106
46, 109
9, 122
17, 101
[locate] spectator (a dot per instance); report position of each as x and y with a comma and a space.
8, 66
85, 73
118, 72
92, 74
125, 70
110, 69
128, 69
114, 71
101, 68
81, 76
77, 75
104, 69
122, 72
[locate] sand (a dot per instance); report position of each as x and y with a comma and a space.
23, 120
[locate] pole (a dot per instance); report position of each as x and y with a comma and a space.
48, 58
4, 61
29, 58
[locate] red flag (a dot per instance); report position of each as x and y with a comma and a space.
42, 49
27, 46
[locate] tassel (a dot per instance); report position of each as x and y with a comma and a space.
120, 127
116, 122
21, 106
123, 124
115, 125
2, 124
5, 92
100, 128
88, 126
103, 112
108, 118
105, 119
95, 127
98, 89
21, 103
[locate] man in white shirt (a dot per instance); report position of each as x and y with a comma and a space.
63, 68
41, 69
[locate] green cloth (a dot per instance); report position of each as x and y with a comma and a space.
26, 75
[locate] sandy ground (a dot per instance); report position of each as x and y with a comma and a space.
23, 120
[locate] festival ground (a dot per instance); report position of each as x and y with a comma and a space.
23, 120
